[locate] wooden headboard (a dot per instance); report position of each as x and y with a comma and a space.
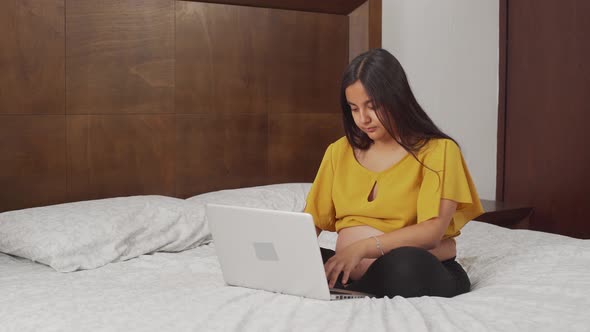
111, 98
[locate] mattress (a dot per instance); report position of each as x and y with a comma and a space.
521, 281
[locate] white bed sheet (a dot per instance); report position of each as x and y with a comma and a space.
522, 281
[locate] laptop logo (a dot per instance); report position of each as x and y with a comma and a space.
265, 251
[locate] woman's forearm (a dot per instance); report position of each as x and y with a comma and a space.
427, 235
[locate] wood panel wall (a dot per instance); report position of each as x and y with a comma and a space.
32, 104
546, 113
111, 98
120, 98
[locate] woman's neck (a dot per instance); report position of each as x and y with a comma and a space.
389, 144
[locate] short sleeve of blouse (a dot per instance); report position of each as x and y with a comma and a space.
319, 199
447, 178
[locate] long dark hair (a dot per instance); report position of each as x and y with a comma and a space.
386, 83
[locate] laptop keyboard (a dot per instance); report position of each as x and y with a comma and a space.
345, 296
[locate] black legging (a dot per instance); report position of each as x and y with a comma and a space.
409, 272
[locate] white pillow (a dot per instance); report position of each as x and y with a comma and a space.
89, 234
284, 196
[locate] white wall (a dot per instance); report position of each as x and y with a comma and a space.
449, 49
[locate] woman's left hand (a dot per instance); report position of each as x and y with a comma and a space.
345, 260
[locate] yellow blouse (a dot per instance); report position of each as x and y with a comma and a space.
407, 192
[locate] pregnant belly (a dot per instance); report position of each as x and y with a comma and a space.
350, 235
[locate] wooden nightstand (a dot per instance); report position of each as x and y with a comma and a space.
505, 215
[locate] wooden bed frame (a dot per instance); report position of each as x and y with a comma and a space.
112, 98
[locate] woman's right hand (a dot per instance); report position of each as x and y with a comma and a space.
345, 261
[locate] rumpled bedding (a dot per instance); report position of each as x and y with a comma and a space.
521, 281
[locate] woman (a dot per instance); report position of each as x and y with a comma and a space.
396, 189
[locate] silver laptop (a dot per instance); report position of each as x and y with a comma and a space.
271, 250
